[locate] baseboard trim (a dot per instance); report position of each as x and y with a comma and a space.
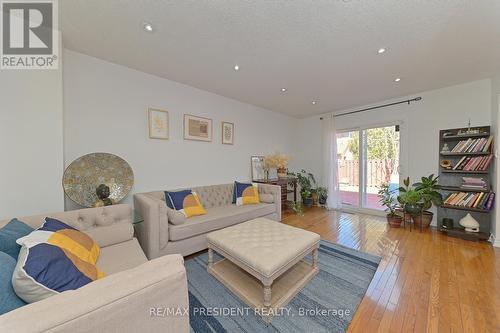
495, 241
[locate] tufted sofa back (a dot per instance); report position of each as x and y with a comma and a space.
107, 225
210, 196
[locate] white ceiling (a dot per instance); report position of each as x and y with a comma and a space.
318, 50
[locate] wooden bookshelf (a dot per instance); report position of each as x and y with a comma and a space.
469, 209
461, 189
479, 172
467, 136
461, 233
451, 181
466, 154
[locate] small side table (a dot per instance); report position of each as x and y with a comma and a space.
137, 218
283, 182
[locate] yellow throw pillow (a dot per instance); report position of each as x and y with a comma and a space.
187, 202
246, 194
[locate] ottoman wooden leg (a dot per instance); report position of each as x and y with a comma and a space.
267, 295
315, 258
210, 257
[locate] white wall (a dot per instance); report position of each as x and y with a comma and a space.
31, 142
421, 121
105, 110
495, 119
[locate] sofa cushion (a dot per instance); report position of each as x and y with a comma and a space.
266, 197
8, 299
10, 233
54, 258
217, 218
245, 194
175, 217
120, 257
111, 234
186, 202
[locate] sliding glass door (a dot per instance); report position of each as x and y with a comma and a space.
367, 158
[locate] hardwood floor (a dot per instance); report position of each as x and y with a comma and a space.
426, 282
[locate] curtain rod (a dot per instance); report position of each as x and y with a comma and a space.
416, 99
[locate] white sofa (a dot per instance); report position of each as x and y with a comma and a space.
158, 237
125, 299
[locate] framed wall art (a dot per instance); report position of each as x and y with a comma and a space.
197, 128
227, 133
257, 164
158, 124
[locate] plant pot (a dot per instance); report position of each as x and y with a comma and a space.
425, 219
322, 200
413, 209
394, 220
308, 202
281, 172
315, 198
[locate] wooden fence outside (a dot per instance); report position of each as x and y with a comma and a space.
377, 171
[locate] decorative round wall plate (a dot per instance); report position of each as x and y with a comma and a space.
86, 173
445, 164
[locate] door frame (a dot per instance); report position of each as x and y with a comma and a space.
362, 165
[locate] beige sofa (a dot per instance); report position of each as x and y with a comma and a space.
126, 300
158, 237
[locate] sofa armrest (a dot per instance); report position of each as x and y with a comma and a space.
153, 231
275, 190
136, 300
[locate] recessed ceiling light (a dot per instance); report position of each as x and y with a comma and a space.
397, 79
236, 67
148, 27
283, 89
381, 50
314, 102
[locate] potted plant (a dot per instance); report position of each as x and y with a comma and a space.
428, 188
315, 196
307, 184
409, 199
306, 198
388, 199
298, 208
323, 195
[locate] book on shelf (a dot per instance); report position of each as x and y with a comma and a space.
479, 145
478, 163
473, 183
479, 200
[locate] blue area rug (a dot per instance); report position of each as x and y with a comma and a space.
326, 304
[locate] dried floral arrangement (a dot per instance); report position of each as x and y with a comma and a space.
276, 161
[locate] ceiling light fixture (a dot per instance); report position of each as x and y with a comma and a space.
148, 27
381, 50
283, 89
314, 102
397, 79
236, 67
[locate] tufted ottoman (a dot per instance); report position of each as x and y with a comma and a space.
263, 262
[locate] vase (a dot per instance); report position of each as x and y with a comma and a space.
425, 219
413, 209
394, 220
469, 223
281, 172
